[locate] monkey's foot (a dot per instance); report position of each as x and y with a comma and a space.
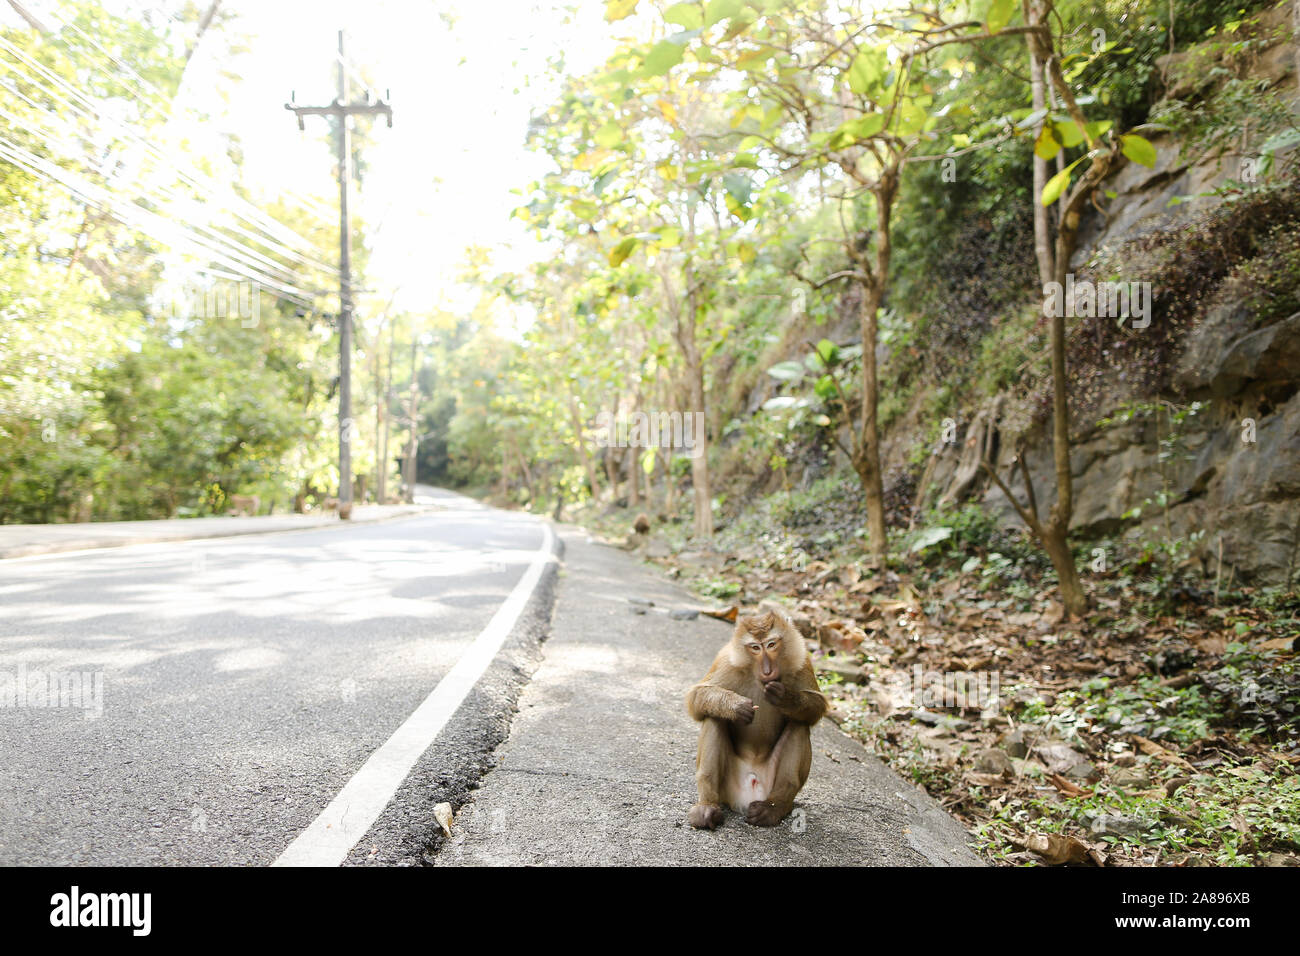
705, 816
766, 813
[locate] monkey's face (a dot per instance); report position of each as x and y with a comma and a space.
765, 651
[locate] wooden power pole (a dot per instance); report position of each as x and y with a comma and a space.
341, 109
412, 443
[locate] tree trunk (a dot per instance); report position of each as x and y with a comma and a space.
696, 404
1042, 234
868, 446
588, 465
1057, 545
1054, 532
633, 478
700, 459
868, 464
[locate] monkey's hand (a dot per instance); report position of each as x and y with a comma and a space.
776, 693
744, 711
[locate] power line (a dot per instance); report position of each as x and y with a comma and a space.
139, 218
96, 116
74, 153
242, 208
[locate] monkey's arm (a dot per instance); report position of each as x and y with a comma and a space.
801, 699
709, 700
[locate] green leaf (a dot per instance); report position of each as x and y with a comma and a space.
783, 403
930, 536
717, 10
1047, 145
1068, 132
865, 71
738, 187
600, 182
828, 351
1138, 150
609, 135
786, 371
686, 15
669, 237
648, 461
1098, 127
855, 130
825, 388
618, 9
618, 255
1000, 14
663, 57
911, 117
1058, 183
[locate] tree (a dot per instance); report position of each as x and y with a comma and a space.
1056, 133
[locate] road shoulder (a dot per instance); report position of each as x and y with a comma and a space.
599, 765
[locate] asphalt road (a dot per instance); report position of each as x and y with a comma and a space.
310, 697
232, 687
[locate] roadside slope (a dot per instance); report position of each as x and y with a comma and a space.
599, 767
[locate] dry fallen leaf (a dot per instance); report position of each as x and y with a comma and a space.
727, 614
442, 813
1161, 753
1278, 644
1067, 787
1058, 850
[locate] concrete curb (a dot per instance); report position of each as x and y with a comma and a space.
92, 543
454, 765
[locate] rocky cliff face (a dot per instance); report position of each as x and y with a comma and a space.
1230, 471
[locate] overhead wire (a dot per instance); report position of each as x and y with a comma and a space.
152, 192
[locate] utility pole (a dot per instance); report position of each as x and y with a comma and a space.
341, 109
413, 442
382, 384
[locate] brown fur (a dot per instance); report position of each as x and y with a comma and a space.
245, 504
755, 711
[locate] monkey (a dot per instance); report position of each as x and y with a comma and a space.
642, 524
756, 707
245, 504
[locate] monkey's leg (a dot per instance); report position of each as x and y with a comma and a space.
712, 766
788, 767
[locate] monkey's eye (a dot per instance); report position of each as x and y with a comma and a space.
771, 644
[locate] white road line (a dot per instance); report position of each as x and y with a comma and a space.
331, 836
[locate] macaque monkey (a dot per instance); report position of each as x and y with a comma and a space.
642, 524
755, 706
245, 504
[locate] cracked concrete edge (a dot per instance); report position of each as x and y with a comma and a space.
926, 834
454, 765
